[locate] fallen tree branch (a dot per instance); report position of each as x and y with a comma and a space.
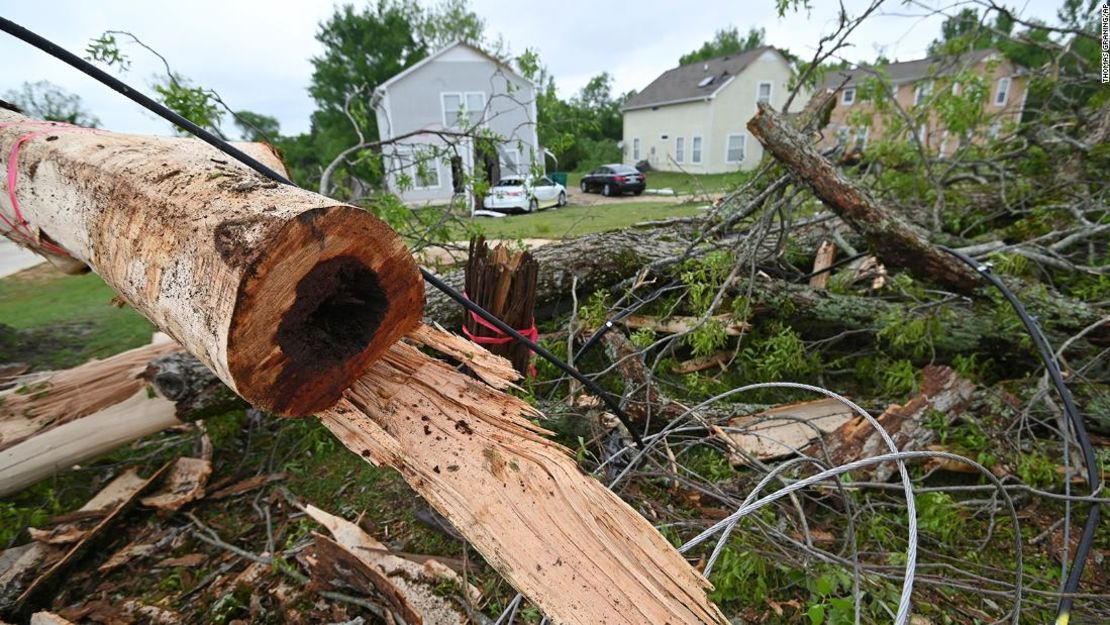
896, 241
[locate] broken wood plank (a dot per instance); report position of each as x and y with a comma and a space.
943, 391
184, 483
569, 544
784, 430
678, 323
410, 587
826, 252
895, 240
285, 294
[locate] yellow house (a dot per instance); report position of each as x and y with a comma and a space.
912, 84
693, 117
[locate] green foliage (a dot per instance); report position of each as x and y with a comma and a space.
45, 100
1036, 469
709, 463
15, 517
643, 337
193, 103
778, 356
726, 41
596, 309
899, 378
908, 333
938, 516
707, 338
825, 604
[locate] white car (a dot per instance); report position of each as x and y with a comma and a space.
524, 194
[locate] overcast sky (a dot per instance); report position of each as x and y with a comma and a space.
256, 54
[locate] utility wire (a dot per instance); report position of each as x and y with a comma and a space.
1094, 479
162, 111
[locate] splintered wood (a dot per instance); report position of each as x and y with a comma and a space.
504, 283
560, 537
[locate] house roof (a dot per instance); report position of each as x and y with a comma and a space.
906, 71
438, 53
695, 81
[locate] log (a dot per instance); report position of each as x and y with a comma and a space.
285, 294
895, 240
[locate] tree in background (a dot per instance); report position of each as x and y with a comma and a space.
726, 41
45, 100
257, 127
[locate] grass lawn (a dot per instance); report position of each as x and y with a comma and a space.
682, 183
572, 221
73, 314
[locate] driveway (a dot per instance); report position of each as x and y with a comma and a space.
14, 258
576, 197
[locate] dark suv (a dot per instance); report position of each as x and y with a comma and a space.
614, 180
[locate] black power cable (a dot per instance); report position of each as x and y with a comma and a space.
162, 111
1048, 356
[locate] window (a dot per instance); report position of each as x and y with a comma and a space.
922, 92
461, 109
510, 161
1003, 92
418, 169
695, 150
636, 148
734, 152
763, 93
942, 151
679, 149
848, 96
861, 137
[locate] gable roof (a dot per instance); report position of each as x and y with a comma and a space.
906, 71
442, 51
687, 83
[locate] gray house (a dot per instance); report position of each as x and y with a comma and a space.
430, 113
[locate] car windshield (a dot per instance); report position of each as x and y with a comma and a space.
510, 182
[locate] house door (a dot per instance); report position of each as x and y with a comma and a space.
458, 174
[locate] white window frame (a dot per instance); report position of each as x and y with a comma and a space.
680, 149
770, 91
695, 150
502, 155
743, 147
1002, 93
866, 136
463, 96
848, 96
635, 148
922, 93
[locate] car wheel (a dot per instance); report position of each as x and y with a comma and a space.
607, 190
638, 192
562, 198
533, 205
585, 187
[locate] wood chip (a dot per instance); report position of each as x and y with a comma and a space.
184, 483
678, 324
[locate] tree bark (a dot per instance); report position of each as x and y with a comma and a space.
286, 295
895, 240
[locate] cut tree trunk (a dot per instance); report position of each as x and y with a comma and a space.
286, 295
894, 239
504, 283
